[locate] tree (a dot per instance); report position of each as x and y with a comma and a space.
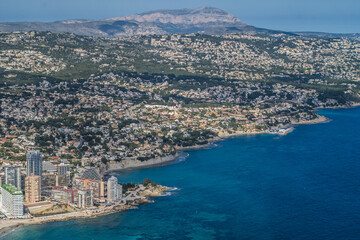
147, 181
104, 160
8, 144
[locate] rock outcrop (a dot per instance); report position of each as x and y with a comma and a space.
131, 163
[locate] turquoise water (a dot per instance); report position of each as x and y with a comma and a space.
305, 185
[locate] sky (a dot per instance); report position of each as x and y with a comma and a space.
337, 16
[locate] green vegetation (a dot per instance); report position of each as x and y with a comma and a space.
191, 138
146, 182
127, 186
12, 189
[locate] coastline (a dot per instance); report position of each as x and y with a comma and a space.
7, 226
320, 119
131, 164
161, 161
350, 105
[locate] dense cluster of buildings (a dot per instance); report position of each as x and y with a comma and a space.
236, 56
103, 120
29, 61
25, 188
84, 123
249, 57
221, 88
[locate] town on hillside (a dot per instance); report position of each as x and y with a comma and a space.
75, 107
115, 104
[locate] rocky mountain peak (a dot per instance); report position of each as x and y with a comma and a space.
204, 15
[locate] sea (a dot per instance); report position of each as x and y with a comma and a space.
305, 185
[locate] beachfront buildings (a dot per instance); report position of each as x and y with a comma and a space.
114, 189
96, 187
32, 188
13, 176
12, 201
34, 163
85, 198
64, 195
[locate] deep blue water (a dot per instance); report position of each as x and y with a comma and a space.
305, 185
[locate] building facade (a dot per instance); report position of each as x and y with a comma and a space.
32, 189
85, 198
63, 169
114, 189
12, 200
50, 180
97, 187
92, 174
2, 178
33, 163
13, 176
64, 195
48, 167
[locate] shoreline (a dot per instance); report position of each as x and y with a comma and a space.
287, 129
145, 195
154, 162
7, 226
172, 158
351, 105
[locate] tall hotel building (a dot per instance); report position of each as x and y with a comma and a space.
34, 163
32, 189
12, 200
114, 189
13, 176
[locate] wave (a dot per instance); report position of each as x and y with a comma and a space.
182, 157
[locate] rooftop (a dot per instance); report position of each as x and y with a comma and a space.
12, 189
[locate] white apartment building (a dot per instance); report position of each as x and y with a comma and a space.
12, 200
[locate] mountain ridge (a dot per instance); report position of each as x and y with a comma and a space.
206, 20
184, 16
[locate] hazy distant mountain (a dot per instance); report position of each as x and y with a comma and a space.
186, 20
207, 20
99, 28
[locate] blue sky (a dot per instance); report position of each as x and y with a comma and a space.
291, 15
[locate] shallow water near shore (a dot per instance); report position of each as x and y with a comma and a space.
305, 185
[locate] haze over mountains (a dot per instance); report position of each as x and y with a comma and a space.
207, 20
